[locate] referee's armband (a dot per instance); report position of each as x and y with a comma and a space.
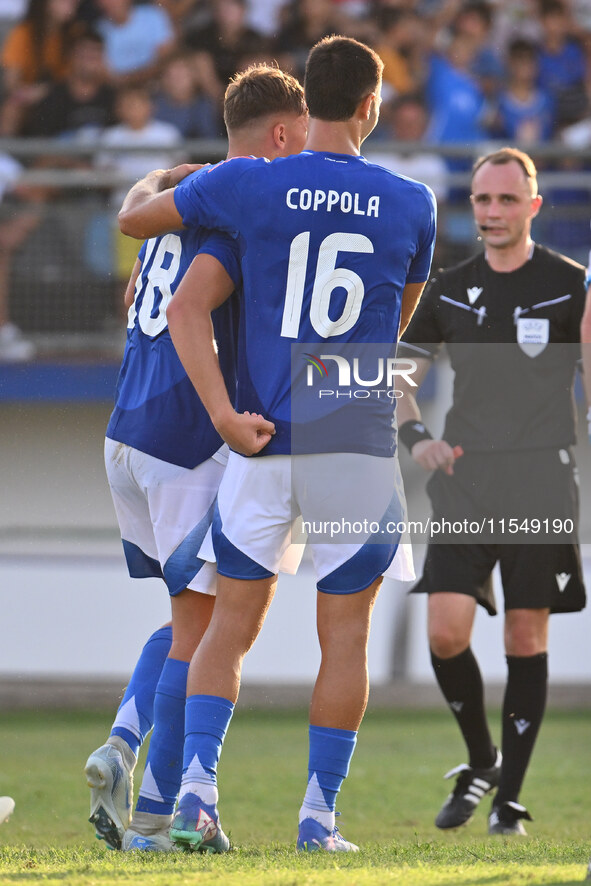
411, 432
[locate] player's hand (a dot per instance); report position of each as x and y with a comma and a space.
433, 455
178, 173
247, 433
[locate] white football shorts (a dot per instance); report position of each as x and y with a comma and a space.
164, 513
351, 508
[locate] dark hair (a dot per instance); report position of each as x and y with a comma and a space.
407, 98
36, 16
340, 72
88, 36
480, 8
521, 46
551, 7
508, 155
391, 16
139, 89
258, 91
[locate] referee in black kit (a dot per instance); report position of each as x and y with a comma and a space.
503, 474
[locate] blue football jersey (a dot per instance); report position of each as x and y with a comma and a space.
327, 244
157, 409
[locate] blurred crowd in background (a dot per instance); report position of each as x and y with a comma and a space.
113, 73
518, 70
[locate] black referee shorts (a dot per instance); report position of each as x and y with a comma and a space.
495, 494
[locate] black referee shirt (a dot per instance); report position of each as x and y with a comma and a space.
513, 340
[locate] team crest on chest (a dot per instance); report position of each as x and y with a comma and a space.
533, 335
473, 292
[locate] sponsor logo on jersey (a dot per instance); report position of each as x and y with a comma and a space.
562, 579
473, 292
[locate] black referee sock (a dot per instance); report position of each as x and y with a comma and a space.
460, 681
523, 711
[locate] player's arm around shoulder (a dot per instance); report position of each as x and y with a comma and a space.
205, 286
148, 209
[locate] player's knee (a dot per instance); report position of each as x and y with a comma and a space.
526, 632
446, 640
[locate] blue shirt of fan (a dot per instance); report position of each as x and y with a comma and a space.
522, 121
157, 409
327, 244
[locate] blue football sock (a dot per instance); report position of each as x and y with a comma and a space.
330, 755
135, 716
164, 763
207, 718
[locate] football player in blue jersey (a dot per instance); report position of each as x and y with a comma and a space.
164, 461
334, 251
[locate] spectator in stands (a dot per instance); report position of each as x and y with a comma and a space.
137, 40
181, 100
399, 45
407, 121
459, 116
578, 135
82, 105
137, 129
562, 63
474, 21
11, 13
35, 54
517, 18
265, 16
525, 113
567, 228
223, 45
454, 95
304, 23
20, 214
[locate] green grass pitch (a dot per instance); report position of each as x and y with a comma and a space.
388, 804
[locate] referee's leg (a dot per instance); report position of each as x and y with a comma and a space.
526, 647
450, 622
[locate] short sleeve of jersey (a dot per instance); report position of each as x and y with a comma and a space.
420, 266
211, 197
578, 309
423, 335
142, 253
225, 250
